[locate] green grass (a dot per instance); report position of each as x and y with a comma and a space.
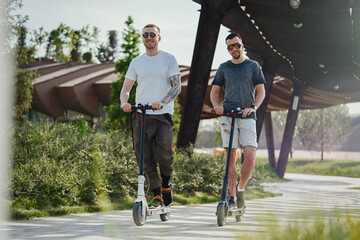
19, 213
126, 203
316, 225
344, 168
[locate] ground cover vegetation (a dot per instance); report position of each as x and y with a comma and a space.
315, 225
62, 168
345, 168
327, 167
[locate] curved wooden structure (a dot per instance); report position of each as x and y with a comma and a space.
313, 51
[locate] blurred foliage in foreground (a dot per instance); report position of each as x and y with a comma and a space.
315, 225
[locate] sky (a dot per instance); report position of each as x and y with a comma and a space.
177, 19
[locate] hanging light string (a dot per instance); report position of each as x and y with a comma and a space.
320, 96
272, 48
327, 97
333, 98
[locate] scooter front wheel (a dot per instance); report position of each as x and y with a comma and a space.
164, 217
221, 213
138, 216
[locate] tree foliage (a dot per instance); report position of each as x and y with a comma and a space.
59, 39
324, 129
81, 38
107, 53
12, 21
64, 43
130, 50
24, 78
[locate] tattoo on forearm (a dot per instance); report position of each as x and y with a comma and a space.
175, 83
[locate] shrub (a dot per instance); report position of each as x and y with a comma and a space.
71, 164
87, 57
199, 172
56, 165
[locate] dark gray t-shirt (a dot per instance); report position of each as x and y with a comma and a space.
239, 81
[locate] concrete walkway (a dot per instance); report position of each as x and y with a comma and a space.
304, 193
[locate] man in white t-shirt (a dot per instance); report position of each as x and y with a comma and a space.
159, 82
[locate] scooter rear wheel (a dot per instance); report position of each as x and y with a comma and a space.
138, 216
221, 214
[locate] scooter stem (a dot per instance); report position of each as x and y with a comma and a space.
226, 178
143, 116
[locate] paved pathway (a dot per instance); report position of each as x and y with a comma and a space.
304, 193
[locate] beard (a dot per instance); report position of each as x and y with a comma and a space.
236, 56
150, 45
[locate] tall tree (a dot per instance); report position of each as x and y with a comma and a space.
324, 129
130, 50
38, 38
12, 21
59, 42
23, 54
82, 38
107, 53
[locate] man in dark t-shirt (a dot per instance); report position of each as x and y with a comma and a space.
244, 86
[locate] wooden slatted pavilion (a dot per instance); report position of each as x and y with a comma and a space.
310, 55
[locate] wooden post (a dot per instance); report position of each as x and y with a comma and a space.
286, 143
212, 13
269, 68
270, 140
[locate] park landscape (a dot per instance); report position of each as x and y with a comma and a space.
73, 166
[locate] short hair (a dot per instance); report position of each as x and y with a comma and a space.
233, 35
152, 25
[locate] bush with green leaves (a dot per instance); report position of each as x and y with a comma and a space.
198, 172
87, 57
58, 165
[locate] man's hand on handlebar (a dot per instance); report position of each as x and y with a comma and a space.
247, 111
157, 106
126, 107
219, 110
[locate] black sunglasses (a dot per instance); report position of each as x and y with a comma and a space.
146, 35
231, 46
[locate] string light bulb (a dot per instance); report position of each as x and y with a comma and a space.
295, 4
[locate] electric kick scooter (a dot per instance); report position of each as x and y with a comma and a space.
223, 210
141, 209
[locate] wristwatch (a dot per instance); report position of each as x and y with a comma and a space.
253, 106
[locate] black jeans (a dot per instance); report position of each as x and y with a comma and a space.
157, 146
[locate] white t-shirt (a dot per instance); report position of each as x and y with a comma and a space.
152, 75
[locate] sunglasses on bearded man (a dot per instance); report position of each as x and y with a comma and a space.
231, 46
151, 34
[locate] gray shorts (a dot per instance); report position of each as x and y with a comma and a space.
244, 132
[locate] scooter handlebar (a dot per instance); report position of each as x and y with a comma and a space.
141, 107
226, 113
